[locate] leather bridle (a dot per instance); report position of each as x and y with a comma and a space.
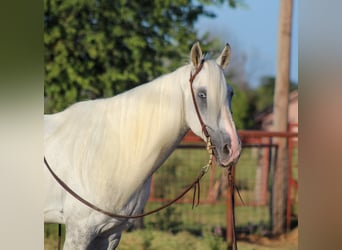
195, 184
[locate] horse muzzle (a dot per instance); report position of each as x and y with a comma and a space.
227, 157
227, 151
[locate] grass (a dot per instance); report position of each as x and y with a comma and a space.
51, 236
209, 215
183, 240
161, 240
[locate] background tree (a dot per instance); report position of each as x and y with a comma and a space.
243, 101
243, 107
100, 48
264, 93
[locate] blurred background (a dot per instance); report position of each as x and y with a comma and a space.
95, 49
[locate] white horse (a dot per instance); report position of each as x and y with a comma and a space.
106, 150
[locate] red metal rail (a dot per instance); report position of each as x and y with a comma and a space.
249, 138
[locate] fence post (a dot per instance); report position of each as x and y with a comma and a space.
230, 229
290, 180
266, 166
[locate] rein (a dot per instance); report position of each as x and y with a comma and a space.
195, 184
231, 203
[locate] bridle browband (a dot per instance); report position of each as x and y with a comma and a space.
195, 184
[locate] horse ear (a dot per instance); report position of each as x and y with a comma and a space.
196, 54
223, 59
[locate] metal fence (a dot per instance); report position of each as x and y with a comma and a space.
253, 176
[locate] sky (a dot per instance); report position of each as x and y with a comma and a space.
253, 30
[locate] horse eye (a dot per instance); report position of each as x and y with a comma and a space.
202, 94
231, 94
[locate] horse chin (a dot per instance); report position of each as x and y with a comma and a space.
226, 162
227, 165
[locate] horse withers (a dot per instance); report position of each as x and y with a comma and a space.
107, 149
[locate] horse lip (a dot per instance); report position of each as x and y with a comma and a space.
224, 160
229, 164
226, 163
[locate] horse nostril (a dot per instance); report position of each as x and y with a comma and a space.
226, 149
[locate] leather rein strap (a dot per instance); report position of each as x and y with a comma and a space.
232, 245
113, 215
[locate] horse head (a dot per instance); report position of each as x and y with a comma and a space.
212, 95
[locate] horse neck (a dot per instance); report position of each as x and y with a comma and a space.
124, 138
152, 123
159, 114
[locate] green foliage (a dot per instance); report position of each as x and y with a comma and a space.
214, 241
147, 238
247, 102
169, 219
165, 175
265, 92
51, 235
100, 48
242, 107
231, 3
